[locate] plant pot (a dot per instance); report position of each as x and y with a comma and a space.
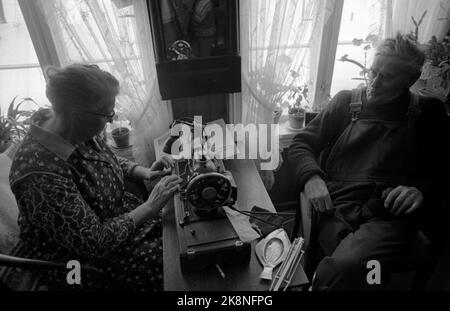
121, 136
120, 4
296, 120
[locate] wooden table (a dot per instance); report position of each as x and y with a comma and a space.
251, 192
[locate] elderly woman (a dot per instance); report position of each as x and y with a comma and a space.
70, 187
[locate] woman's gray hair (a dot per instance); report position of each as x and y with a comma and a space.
405, 48
80, 86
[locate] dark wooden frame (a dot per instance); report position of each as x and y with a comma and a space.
197, 76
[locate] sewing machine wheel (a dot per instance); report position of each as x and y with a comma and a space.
209, 191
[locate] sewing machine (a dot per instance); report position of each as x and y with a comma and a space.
205, 234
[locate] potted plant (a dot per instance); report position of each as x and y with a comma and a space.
436, 70
5, 133
297, 104
297, 110
14, 125
120, 4
121, 134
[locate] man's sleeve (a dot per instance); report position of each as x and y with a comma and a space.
53, 204
320, 133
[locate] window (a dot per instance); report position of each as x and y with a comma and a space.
347, 35
359, 19
2, 13
309, 37
278, 45
20, 72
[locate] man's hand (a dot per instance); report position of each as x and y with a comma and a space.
316, 192
268, 179
402, 200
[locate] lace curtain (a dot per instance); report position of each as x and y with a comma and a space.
436, 21
277, 37
116, 35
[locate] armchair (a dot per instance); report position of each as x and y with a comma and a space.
420, 260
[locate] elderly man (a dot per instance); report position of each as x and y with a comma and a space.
379, 147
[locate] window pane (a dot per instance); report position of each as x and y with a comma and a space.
347, 76
20, 73
22, 83
109, 35
360, 18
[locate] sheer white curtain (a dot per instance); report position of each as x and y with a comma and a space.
116, 35
277, 36
435, 23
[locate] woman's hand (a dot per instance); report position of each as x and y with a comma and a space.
316, 192
402, 200
152, 175
160, 168
160, 195
165, 162
163, 191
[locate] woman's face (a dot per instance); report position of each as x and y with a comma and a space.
92, 122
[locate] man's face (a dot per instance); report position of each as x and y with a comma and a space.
389, 78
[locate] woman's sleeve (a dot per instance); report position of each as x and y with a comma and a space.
54, 205
127, 166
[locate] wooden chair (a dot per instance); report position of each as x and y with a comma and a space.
18, 273
22, 274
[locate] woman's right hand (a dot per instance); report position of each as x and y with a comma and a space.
316, 192
163, 191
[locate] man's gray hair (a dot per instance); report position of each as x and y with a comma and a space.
405, 48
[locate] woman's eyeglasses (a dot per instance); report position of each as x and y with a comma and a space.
109, 116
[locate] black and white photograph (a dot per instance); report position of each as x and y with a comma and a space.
220, 151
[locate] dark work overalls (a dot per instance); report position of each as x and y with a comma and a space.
369, 156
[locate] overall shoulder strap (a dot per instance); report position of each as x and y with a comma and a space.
414, 109
356, 104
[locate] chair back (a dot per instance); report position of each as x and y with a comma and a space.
9, 211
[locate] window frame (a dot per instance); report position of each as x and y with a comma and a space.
2, 13
327, 55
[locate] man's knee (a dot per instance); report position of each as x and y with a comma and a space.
339, 273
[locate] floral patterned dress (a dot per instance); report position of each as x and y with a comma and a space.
73, 206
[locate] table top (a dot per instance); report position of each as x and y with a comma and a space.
251, 192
